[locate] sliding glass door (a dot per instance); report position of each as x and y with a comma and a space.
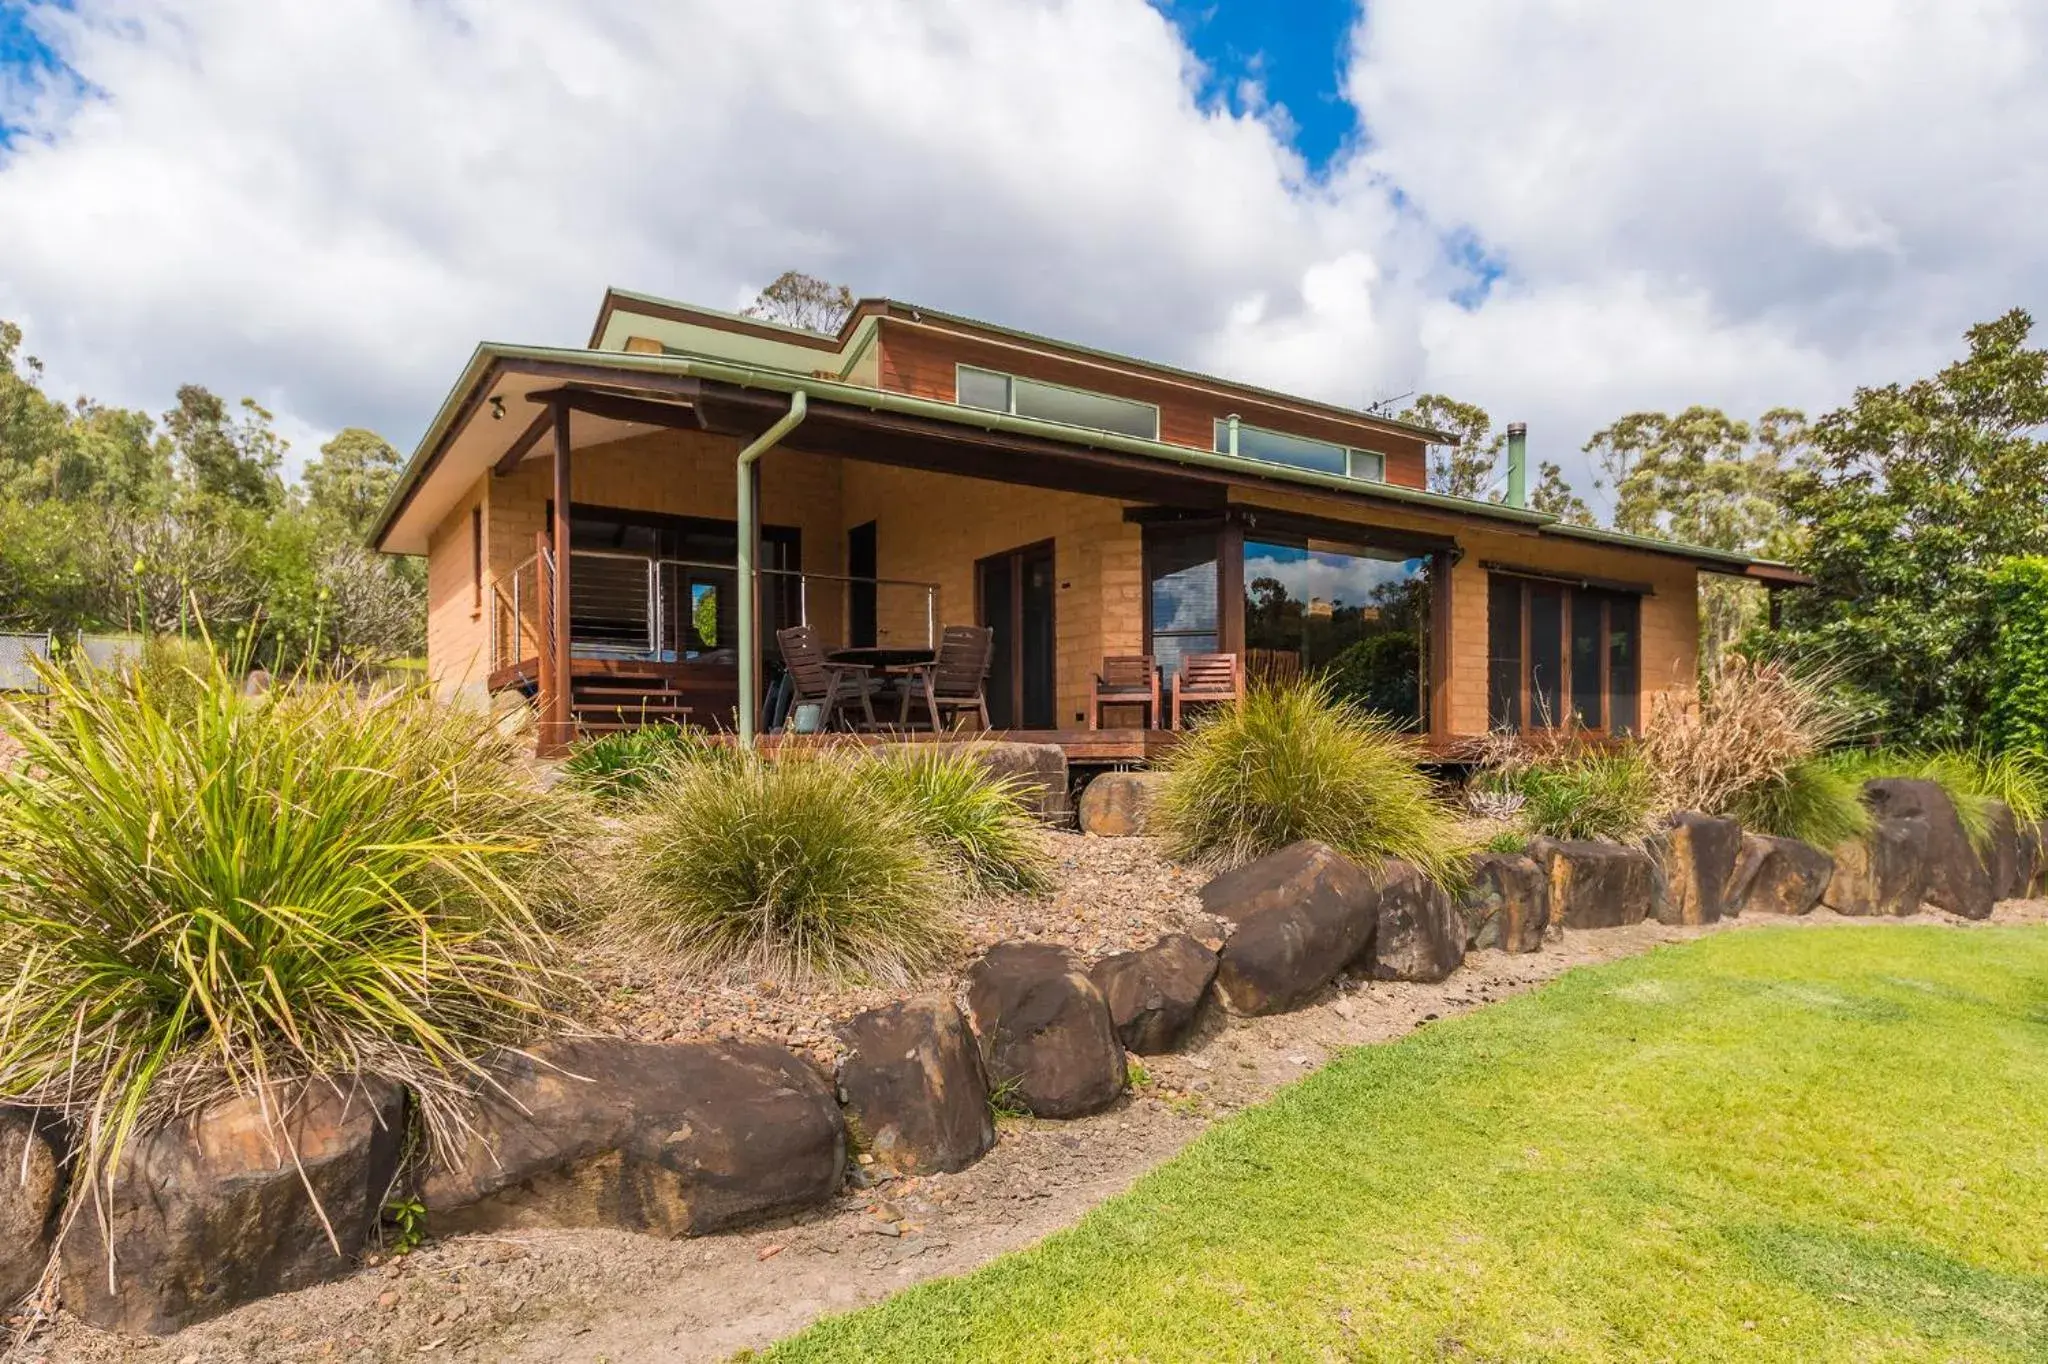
1355, 615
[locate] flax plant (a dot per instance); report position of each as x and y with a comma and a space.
203, 893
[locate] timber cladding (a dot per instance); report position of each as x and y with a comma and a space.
920, 361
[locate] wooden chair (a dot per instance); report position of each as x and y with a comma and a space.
1272, 667
1127, 680
1205, 679
957, 679
818, 681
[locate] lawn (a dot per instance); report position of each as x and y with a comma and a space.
1826, 1144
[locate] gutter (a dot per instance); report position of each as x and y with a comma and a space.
749, 535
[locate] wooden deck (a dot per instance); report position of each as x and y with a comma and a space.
1085, 746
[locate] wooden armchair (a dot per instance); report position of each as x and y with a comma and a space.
1127, 680
1207, 679
957, 679
817, 681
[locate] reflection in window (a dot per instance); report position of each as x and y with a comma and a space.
1277, 447
1054, 403
1355, 615
1181, 572
704, 614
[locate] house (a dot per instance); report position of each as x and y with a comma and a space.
920, 469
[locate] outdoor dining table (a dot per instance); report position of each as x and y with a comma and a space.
891, 663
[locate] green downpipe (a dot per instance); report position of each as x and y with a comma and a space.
749, 536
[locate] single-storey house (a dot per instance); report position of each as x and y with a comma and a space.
920, 469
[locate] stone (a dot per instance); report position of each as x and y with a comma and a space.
1506, 903
1154, 995
28, 1200
1038, 772
1119, 804
217, 1208
1778, 876
1695, 855
2034, 850
1956, 880
1420, 935
1884, 873
1299, 916
673, 1138
1045, 1028
2005, 860
912, 1081
1597, 885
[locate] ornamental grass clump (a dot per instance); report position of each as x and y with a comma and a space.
618, 768
1971, 779
1755, 721
202, 893
1586, 795
1815, 801
1292, 762
800, 869
976, 821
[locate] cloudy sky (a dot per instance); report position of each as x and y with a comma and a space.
1561, 209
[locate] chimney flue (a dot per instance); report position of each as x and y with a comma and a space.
1518, 465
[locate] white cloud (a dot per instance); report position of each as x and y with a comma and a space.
326, 206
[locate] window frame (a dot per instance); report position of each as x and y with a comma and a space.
1351, 453
1010, 382
1576, 596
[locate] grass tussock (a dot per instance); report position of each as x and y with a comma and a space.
1973, 780
1756, 721
799, 869
618, 768
1816, 801
1292, 762
202, 892
1588, 795
977, 822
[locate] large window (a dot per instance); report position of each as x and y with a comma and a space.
1562, 655
996, 392
1355, 614
1181, 596
1277, 447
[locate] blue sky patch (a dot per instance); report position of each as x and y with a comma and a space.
1295, 49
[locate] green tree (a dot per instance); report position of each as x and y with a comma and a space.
232, 458
1553, 494
1463, 469
349, 481
796, 299
1917, 493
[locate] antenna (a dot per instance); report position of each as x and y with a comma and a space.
1381, 407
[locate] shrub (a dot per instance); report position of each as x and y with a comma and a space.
1815, 801
1972, 780
799, 868
1288, 763
1756, 720
971, 818
617, 768
201, 892
1606, 795
2019, 660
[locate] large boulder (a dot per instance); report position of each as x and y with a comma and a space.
28, 1201
1300, 916
1038, 772
1420, 934
1154, 995
1119, 804
1957, 880
1045, 1029
1597, 885
1695, 856
1883, 873
1778, 876
1506, 903
218, 1207
673, 1138
2007, 861
912, 1081
2034, 852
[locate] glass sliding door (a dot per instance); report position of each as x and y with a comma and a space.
1355, 614
1181, 596
1560, 655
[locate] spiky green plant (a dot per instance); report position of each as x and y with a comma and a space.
617, 768
1292, 762
1605, 795
798, 868
1972, 780
1814, 801
975, 820
202, 893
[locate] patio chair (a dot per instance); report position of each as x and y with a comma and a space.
816, 681
1127, 680
956, 679
1207, 679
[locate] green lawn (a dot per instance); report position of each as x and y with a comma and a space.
1783, 1144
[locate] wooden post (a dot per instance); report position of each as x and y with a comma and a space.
557, 723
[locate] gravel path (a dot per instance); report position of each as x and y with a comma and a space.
581, 1297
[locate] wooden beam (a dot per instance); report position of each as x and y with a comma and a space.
668, 407
522, 447
559, 728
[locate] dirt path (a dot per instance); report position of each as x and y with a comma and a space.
613, 1298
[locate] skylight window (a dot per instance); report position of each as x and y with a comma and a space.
1277, 447
995, 392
